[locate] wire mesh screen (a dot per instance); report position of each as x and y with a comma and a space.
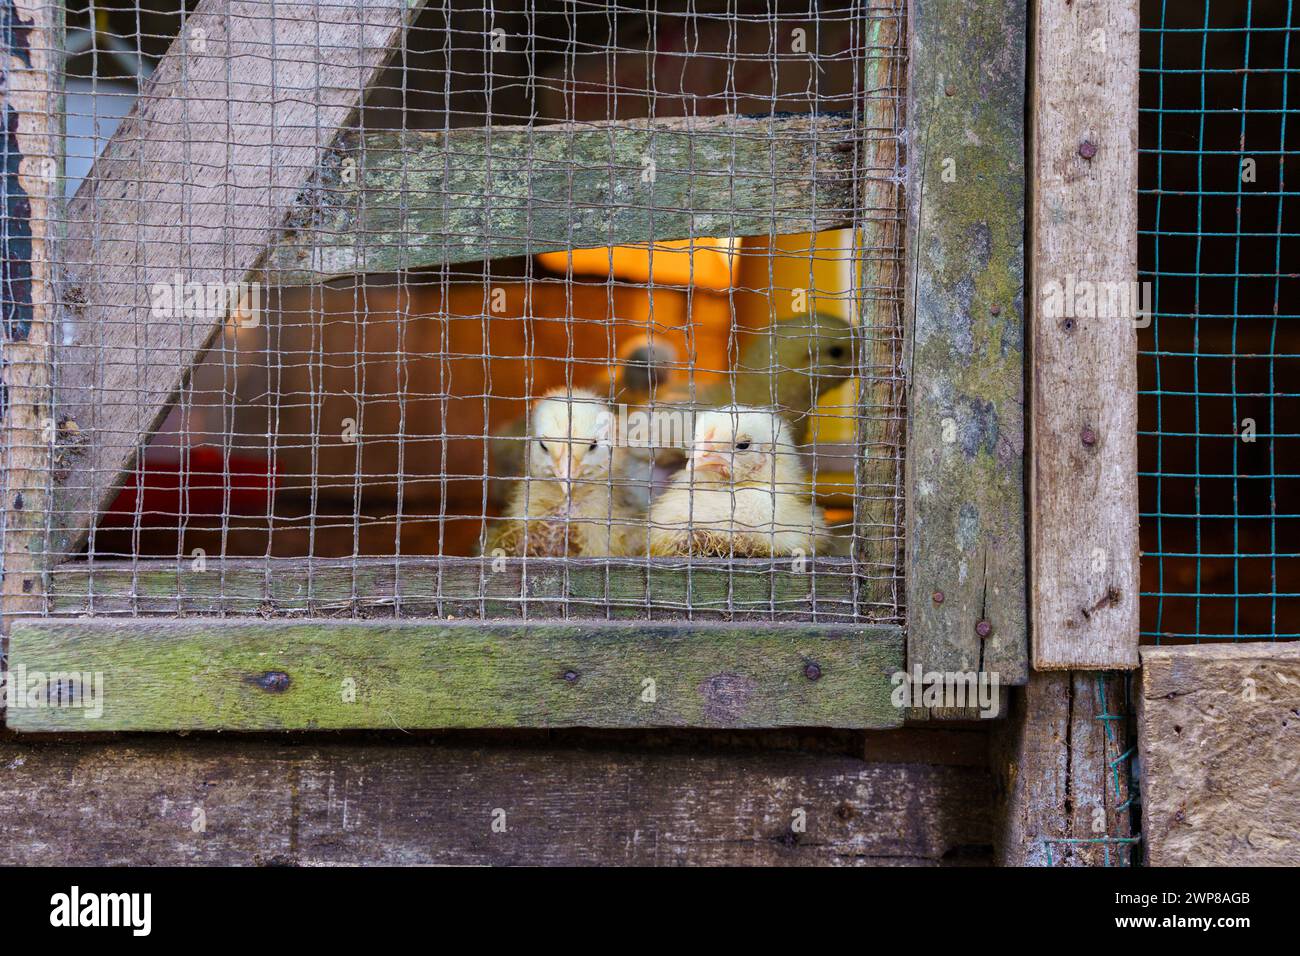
561, 310
1220, 236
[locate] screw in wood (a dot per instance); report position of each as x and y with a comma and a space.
983, 628
812, 671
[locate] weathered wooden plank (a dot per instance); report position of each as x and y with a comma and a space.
879, 468
583, 588
964, 338
32, 212
1061, 772
191, 188
1219, 736
1084, 451
286, 675
157, 801
391, 201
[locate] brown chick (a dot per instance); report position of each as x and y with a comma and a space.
573, 502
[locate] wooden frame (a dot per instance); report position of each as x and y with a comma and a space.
1084, 384
741, 645
33, 187
964, 332
317, 201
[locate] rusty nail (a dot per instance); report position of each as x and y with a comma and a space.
983, 628
937, 597
950, 90
812, 671
1088, 436
845, 811
571, 676
1087, 149
996, 310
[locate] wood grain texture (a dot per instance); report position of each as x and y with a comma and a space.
191, 188
461, 588
33, 88
134, 802
964, 353
392, 201
1219, 736
317, 675
1084, 485
1062, 789
880, 394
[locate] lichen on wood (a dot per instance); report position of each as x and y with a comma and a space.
311, 674
964, 338
390, 201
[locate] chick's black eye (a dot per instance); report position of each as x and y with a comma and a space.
742, 446
837, 351
591, 447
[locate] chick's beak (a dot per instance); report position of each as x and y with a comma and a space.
563, 465
712, 456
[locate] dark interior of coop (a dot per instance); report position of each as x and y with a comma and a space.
358, 418
1219, 243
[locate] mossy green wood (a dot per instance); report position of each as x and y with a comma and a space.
313, 674
822, 590
390, 201
964, 334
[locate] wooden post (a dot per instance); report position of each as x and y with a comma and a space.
879, 233
964, 338
190, 190
33, 165
1060, 765
1084, 484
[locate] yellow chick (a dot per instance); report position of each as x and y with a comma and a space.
788, 366
574, 501
643, 368
743, 492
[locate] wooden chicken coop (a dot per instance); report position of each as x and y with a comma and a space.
287, 289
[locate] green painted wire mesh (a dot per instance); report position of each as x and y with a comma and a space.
1219, 366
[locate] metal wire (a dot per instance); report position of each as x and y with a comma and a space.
350, 452
1219, 243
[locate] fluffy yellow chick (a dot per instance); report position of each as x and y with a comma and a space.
574, 501
643, 368
743, 492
